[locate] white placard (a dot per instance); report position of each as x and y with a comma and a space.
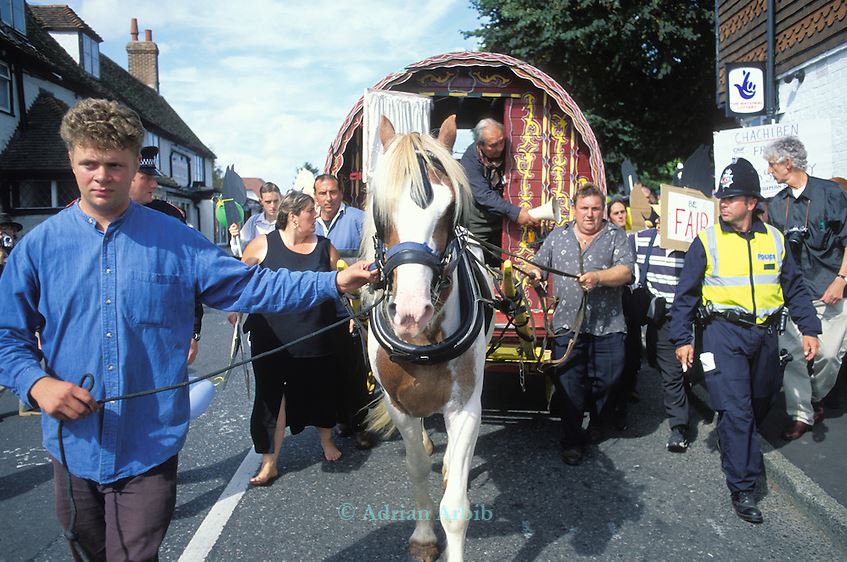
750, 143
685, 212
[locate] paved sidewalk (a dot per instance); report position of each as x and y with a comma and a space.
821, 453
811, 468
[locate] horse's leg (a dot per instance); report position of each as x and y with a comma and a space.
423, 544
427, 442
462, 432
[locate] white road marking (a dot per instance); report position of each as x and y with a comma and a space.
212, 526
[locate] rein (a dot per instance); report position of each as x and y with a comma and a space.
580, 313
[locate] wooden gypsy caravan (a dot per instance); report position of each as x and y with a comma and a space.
550, 146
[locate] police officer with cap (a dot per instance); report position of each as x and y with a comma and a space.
738, 277
144, 184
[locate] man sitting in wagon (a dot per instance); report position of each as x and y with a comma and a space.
483, 162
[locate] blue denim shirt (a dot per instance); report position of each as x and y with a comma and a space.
120, 305
344, 231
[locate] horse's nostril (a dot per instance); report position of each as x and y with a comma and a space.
392, 310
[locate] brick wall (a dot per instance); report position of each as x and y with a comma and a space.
143, 62
823, 94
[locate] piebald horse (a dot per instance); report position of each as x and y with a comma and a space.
429, 334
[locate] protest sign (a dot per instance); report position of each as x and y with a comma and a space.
639, 208
685, 212
750, 143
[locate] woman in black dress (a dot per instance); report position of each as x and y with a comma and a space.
295, 387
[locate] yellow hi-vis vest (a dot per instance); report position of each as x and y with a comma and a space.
743, 275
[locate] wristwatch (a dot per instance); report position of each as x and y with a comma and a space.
842, 277
195, 336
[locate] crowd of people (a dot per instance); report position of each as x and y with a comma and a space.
757, 294
727, 296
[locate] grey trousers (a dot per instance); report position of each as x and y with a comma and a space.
800, 389
124, 520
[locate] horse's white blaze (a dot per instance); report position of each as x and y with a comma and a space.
412, 305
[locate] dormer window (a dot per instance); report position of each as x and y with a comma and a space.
90, 60
12, 13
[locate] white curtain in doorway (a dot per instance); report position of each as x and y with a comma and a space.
407, 112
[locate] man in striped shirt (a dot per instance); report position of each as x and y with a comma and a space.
662, 275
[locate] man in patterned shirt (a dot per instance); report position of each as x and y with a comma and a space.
598, 254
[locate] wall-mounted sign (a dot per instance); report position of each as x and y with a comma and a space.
180, 169
745, 89
685, 212
750, 143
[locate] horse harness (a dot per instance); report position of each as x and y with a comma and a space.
454, 258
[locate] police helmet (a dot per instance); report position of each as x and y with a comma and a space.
739, 178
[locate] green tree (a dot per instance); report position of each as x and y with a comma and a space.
217, 177
309, 166
642, 72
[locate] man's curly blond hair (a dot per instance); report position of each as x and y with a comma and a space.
102, 124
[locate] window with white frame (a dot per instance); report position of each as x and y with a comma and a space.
199, 169
180, 169
12, 13
5, 87
90, 55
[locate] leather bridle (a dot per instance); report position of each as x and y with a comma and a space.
453, 259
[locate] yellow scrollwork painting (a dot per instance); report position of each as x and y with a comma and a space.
497, 80
525, 155
436, 79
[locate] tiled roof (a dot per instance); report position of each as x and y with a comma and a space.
62, 18
9, 37
37, 144
253, 184
115, 83
154, 110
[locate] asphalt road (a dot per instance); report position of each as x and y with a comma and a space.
631, 500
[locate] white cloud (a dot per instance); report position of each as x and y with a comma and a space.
266, 84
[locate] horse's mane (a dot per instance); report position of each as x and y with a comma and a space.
396, 168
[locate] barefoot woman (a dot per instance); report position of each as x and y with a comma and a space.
295, 387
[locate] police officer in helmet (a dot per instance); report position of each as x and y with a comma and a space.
737, 279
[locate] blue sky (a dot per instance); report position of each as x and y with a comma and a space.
266, 84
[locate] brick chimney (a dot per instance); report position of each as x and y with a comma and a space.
143, 57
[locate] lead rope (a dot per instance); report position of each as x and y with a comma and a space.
580, 317
87, 382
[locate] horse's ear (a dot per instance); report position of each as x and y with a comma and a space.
447, 133
386, 131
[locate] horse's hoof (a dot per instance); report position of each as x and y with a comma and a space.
424, 552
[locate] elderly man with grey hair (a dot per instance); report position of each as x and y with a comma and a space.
484, 163
812, 214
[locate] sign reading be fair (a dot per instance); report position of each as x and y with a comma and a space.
685, 212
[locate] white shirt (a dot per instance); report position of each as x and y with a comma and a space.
253, 227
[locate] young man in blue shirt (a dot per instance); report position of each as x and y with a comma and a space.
110, 286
